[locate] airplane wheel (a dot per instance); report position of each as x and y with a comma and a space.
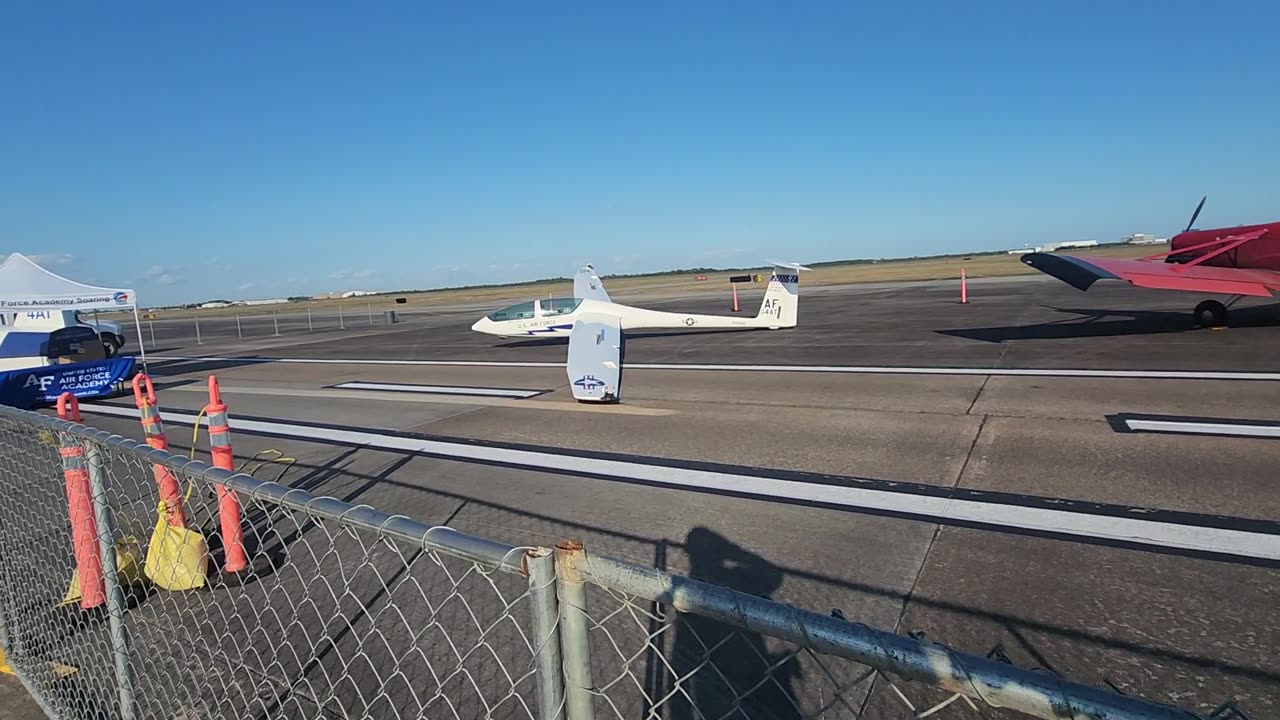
1211, 313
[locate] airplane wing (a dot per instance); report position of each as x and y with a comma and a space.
587, 285
595, 358
1081, 273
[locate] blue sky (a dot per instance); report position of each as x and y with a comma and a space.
242, 151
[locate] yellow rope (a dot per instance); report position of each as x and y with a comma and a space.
278, 457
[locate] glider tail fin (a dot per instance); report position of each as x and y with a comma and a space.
587, 285
781, 306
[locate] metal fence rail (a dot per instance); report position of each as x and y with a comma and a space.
662, 645
347, 612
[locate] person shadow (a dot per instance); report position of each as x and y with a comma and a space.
748, 679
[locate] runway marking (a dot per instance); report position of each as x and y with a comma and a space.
553, 406
440, 389
1178, 425
838, 369
1160, 530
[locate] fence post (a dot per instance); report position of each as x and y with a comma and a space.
239, 334
121, 646
571, 593
309, 328
151, 325
12, 645
341, 323
198, 340
546, 614
275, 320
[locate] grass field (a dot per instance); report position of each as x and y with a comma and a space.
975, 266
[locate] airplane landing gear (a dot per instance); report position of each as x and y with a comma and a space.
1211, 313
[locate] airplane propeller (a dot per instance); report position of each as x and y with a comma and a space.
1196, 214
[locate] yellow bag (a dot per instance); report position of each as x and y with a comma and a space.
127, 571
177, 558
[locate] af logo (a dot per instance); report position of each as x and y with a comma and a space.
589, 382
689, 322
44, 381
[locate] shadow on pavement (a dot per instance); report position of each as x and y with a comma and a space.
552, 341
741, 658
715, 558
1107, 323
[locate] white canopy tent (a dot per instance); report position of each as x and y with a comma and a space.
25, 286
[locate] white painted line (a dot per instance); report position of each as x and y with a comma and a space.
1006, 372
839, 369
441, 389
1204, 428
1102, 527
330, 361
516, 403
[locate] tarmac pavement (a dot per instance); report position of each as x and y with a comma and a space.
1172, 626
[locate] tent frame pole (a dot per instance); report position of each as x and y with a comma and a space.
142, 344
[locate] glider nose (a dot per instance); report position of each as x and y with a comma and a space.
483, 325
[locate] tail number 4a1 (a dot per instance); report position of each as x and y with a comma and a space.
772, 306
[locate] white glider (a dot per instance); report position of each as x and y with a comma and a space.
595, 325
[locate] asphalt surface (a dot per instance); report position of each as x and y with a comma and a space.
16, 702
1189, 629
1009, 322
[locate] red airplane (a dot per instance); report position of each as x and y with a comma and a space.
1239, 261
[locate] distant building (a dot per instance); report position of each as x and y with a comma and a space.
1056, 246
357, 293
1144, 239
272, 301
217, 304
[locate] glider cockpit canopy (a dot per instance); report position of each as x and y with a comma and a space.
536, 309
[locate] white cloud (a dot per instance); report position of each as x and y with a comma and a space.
160, 275
345, 273
46, 259
246, 286
53, 259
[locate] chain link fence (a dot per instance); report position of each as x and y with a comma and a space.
259, 323
343, 612
666, 646
347, 612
